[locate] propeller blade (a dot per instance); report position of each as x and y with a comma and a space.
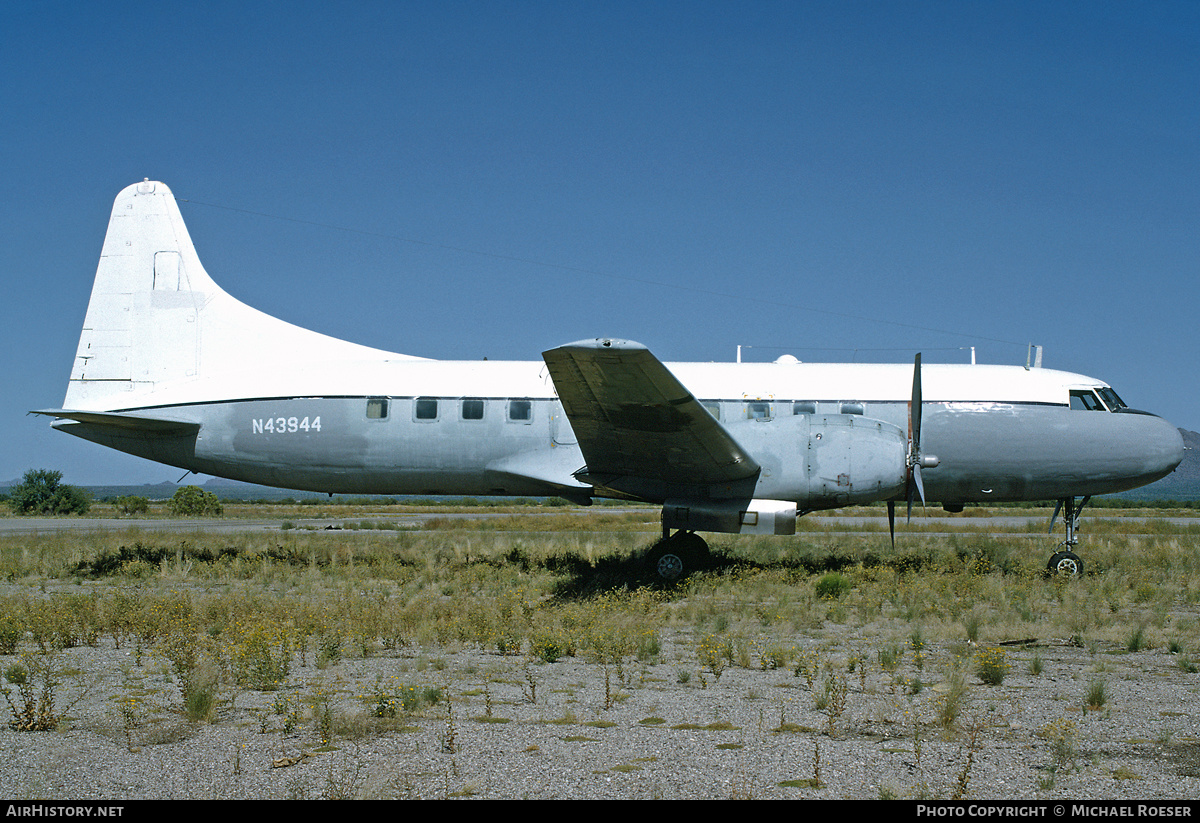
916, 407
915, 486
915, 489
892, 520
1054, 517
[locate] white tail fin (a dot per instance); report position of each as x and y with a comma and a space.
156, 318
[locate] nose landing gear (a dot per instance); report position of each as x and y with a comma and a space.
1066, 562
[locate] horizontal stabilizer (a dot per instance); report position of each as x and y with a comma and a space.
634, 419
141, 423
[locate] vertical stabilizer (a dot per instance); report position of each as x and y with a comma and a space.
157, 319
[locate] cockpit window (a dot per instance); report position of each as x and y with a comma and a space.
1085, 400
1111, 399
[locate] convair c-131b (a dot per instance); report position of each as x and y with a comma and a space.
172, 368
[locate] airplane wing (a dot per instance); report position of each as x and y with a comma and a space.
636, 422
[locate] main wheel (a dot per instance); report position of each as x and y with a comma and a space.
676, 556
1066, 564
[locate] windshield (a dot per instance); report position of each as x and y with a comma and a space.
1111, 399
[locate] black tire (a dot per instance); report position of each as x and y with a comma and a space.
677, 556
1066, 564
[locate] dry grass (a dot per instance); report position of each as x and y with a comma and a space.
234, 613
516, 579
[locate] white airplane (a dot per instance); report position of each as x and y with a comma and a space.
172, 368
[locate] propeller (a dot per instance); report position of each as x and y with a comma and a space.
915, 460
915, 486
1054, 517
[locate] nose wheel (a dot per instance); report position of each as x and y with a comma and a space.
1066, 562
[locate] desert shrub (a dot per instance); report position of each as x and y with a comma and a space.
131, 504
260, 655
991, 665
832, 586
192, 501
33, 707
41, 491
399, 699
12, 630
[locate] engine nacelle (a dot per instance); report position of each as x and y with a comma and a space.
731, 516
808, 462
827, 461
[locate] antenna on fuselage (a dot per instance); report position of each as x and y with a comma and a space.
1035, 355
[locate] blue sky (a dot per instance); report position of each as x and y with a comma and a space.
842, 180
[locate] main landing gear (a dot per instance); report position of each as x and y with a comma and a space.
676, 555
1065, 561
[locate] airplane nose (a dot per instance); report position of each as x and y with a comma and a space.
1172, 448
1161, 445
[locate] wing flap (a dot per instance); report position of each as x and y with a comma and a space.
633, 418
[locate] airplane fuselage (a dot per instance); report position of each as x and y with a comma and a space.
497, 428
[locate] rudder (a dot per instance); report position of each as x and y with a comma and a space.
141, 325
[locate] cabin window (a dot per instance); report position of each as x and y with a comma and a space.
426, 408
472, 409
377, 408
758, 411
520, 411
852, 408
1086, 401
804, 407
